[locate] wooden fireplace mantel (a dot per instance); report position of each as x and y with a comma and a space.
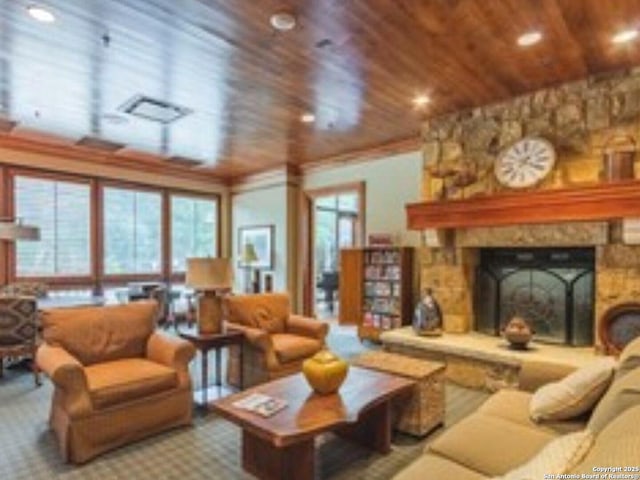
593, 202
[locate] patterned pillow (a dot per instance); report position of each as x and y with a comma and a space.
557, 457
575, 394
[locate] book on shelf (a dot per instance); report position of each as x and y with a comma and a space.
382, 289
263, 405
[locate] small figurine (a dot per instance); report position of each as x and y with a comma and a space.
427, 316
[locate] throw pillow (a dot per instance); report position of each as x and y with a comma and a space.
557, 457
575, 394
629, 359
623, 394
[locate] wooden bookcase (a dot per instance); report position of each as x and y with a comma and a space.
376, 289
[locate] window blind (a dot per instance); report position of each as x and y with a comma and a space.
193, 229
132, 231
62, 211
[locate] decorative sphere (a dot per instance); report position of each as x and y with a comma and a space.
518, 333
325, 372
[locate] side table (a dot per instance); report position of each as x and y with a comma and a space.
205, 342
424, 410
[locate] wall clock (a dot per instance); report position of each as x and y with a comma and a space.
525, 163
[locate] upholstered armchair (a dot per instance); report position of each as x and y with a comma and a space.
276, 341
25, 289
116, 379
18, 330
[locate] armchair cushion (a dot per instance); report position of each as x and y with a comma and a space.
268, 311
101, 334
290, 348
118, 381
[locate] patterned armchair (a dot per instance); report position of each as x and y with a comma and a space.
25, 289
18, 330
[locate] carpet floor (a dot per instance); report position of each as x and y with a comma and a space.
208, 450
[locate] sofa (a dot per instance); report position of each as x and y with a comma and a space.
500, 436
116, 379
276, 342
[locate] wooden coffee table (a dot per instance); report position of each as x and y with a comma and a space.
281, 447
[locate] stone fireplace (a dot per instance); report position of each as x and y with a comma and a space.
579, 119
551, 288
451, 270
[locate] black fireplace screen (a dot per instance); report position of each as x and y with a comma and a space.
553, 289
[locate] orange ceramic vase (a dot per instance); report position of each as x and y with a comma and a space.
325, 372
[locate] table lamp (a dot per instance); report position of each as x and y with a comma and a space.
210, 278
13, 229
249, 256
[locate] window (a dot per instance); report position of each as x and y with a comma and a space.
61, 210
193, 229
132, 231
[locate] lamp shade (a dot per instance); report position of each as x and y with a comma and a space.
249, 254
15, 230
209, 273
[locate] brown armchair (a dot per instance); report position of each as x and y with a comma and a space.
18, 330
116, 379
276, 341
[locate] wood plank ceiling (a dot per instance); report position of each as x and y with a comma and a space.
355, 64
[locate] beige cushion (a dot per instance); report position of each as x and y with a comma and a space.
111, 383
490, 445
435, 467
624, 393
513, 405
557, 457
617, 445
629, 359
575, 394
99, 334
290, 348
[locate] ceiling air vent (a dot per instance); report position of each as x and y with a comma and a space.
154, 109
185, 162
99, 144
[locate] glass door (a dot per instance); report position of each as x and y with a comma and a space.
335, 223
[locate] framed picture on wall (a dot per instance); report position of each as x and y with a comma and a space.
256, 246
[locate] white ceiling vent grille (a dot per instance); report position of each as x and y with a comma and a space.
154, 109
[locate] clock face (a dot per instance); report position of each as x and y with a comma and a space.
525, 163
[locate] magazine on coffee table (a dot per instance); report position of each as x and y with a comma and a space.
261, 404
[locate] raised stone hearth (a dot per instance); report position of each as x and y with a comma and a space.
480, 361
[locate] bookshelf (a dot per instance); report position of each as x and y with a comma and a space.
376, 289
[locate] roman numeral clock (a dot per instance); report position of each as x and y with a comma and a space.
525, 163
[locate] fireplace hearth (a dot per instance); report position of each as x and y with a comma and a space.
551, 288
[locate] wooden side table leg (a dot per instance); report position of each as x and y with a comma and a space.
268, 462
241, 361
205, 375
218, 367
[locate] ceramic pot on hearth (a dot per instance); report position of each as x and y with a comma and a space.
325, 372
518, 333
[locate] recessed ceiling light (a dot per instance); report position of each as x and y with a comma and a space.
283, 21
41, 14
421, 101
529, 38
307, 118
625, 36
